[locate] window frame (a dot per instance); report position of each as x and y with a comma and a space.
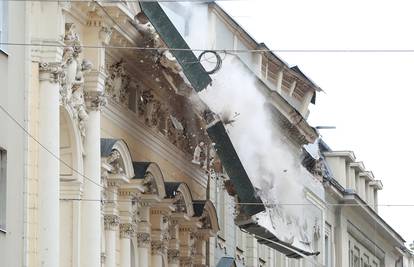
3, 190
3, 26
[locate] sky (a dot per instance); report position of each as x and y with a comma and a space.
368, 97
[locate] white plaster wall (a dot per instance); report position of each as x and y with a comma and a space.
336, 215
14, 71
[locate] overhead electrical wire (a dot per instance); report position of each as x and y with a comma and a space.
46, 149
126, 1
105, 188
218, 50
219, 62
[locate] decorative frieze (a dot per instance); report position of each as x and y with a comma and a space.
117, 83
144, 239
126, 230
111, 222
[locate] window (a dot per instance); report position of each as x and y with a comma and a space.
3, 185
3, 23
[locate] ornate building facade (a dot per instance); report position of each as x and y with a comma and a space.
115, 161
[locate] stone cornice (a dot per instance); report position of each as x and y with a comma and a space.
154, 140
358, 165
349, 155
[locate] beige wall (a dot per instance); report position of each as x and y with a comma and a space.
141, 151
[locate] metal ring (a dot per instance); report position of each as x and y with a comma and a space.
218, 58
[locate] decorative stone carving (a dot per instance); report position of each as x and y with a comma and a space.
111, 222
117, 83
114, 160
144, 239
197, 153
105, 34
173, 256
54, 69
316, 230
158, 247
147, 31
95, 100
126, 230
167, 60
72, 78
180, 203
186, 262
149, 184
165, 236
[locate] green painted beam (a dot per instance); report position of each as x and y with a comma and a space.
193, 70
235, 170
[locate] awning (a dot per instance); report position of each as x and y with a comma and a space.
226, 262
193, 70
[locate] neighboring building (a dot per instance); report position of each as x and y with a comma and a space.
355, 235
14, 79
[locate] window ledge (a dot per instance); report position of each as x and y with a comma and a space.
2, 231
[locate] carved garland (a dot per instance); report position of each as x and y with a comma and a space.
70, 74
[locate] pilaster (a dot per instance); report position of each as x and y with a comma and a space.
94, 82
49, 73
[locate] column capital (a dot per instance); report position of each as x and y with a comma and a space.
158, 247
95, 100
173, 256
144, 239
126, 230
186, 261
111, 221
50, 71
